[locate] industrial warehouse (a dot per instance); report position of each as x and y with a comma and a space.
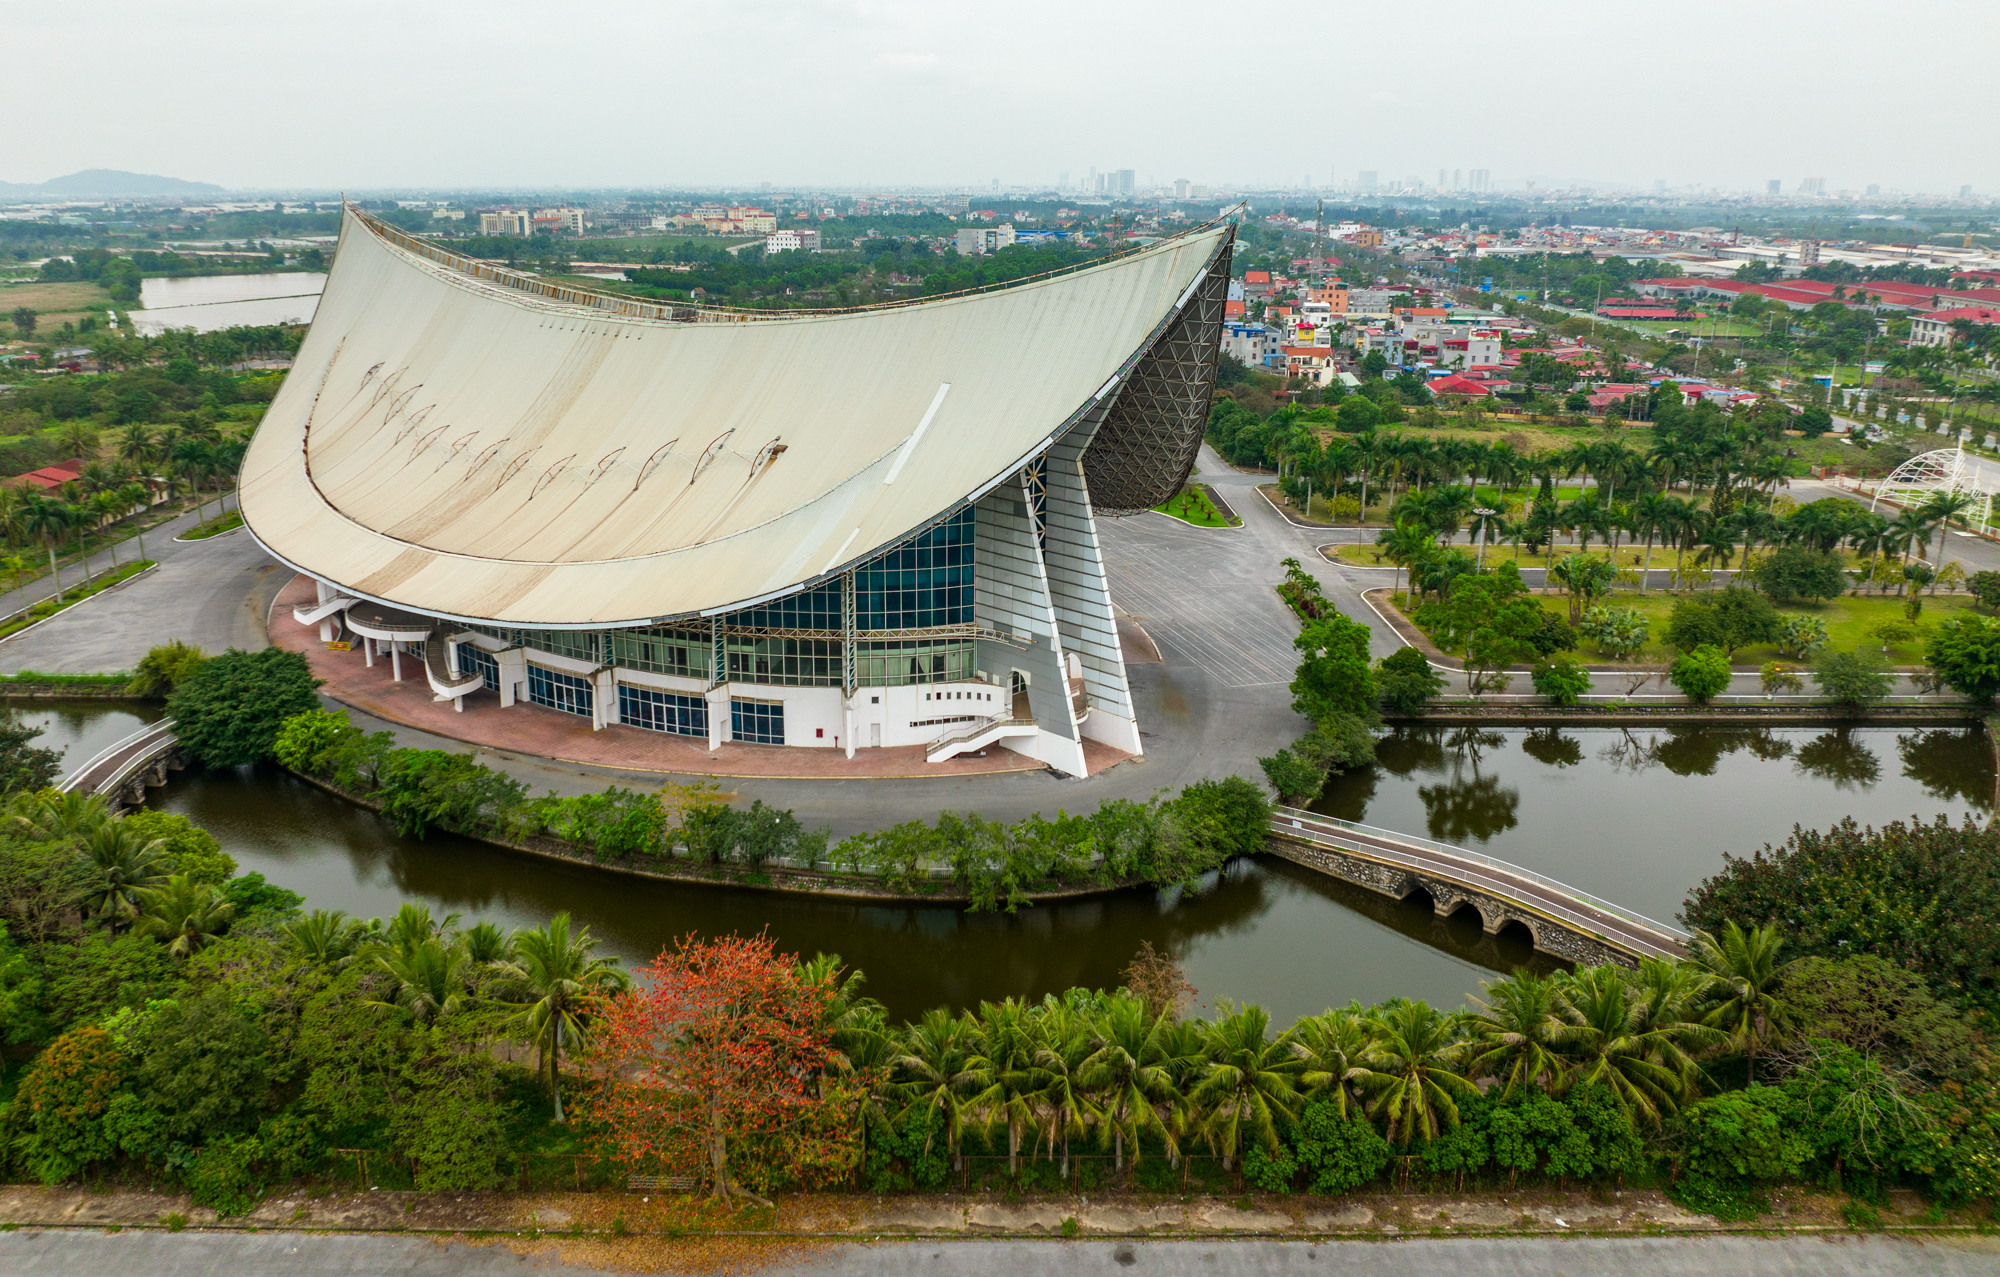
839, 529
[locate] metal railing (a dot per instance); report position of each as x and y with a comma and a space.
163, 728
965, 731
1293, 822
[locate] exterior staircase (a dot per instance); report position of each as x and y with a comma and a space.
969, 737
314, 613
437, 670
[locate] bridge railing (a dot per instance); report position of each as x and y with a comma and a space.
166, 740
164, 729
1293, 820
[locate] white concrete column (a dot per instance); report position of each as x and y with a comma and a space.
396, 659
604, 699
368, 651
513, 663
718, 715
847, 726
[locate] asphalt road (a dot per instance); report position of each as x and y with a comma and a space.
80, 1253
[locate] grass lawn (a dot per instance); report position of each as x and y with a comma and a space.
1696, 327
214, 527
1848, 620
1193, 506
54, 304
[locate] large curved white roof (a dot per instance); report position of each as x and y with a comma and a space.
456, 446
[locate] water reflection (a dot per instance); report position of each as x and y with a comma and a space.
1641, 815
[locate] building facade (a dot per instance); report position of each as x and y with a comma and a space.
868, 529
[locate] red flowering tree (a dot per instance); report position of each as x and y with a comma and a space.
720, 1044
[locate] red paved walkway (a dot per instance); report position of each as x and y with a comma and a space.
530, 729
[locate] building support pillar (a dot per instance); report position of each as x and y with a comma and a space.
847, 659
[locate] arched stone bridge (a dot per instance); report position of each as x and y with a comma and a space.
1560, 919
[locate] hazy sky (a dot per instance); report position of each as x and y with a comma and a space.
367, 94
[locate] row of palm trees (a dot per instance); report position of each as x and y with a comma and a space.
1423, 523
1729, 465
1112, 1071
195, 455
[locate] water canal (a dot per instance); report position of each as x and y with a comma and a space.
1637, 817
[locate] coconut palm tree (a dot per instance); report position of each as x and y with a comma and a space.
1329, 1047
1668, 1001
1605, 1049
63, 815
1247, 1082
46, 520
1516, 1037
1406, 543
1748, 1006
429, 979
1128, 1074
1003, 1074
137, 494
122, 867
185, 914
327, 937
1064, 1105
1941, 509
1410, 1074
933, 1056
559, 975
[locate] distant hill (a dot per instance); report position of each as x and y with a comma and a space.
93, 183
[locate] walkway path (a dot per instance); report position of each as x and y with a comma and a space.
92, 1253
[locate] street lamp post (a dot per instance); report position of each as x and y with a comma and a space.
1485, 513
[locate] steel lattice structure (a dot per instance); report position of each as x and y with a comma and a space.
1943, 470
1145, 449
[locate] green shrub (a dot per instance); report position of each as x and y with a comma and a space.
62, 1106
224, 1176
1796, 572
615, 823
1338, 1153
1272, 1170
1700, 673
1406, 682
421, 788
1852, 679
1963, 651
165, 668
1294, 779
1561, 679
229, 711
190, 849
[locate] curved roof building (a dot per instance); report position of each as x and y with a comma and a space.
791, 527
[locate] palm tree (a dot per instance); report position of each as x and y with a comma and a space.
1339, 460
328, 937
137, 494
1003, 1073
1601, 1040
935, 1053
562, 980
139, 444
1941, 509
1405, 543
64, 815
1651, 515
122, 867
1063, 1104
46, 520
1744, 965
184, 913
1667, 1009
1128, 1074
1410, 1072
429, 979
1246, 1084
1329, 1047
196, 458
1517, 1035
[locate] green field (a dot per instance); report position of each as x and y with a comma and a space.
1848, 622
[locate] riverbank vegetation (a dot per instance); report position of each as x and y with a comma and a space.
174, 1023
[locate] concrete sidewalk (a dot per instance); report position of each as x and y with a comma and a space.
160, 548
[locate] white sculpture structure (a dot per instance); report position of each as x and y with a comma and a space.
1946, 470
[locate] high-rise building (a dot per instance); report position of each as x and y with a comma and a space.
1180, 188
1482, 179
1062, 180
1458, 179
1874, 189
1659, 186
1809, 253
1773, 186
1812, 186
1441, 185
1367, 180
1965, 192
